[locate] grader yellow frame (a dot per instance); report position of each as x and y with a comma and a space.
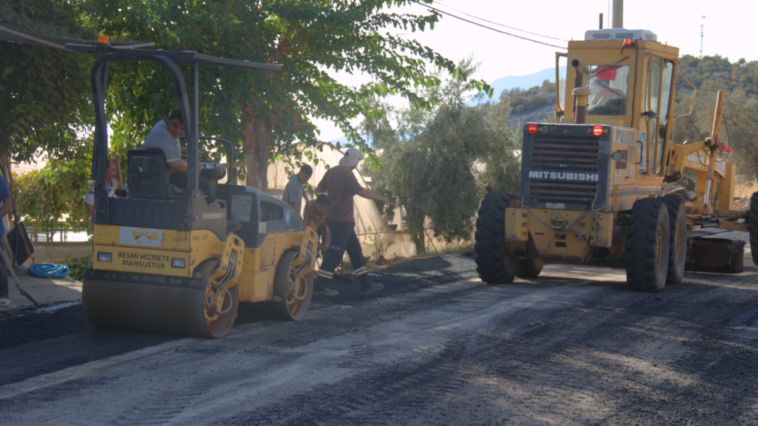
596, 186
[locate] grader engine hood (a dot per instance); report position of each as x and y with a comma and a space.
566, 166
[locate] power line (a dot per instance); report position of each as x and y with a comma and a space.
489, 28
499, 24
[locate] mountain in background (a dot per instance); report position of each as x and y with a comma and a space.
510, 82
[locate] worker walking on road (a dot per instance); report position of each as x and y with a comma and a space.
341, 185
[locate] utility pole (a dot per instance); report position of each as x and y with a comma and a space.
618, 14
702, 36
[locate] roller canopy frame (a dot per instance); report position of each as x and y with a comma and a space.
188, 104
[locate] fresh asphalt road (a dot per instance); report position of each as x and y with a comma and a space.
436, 347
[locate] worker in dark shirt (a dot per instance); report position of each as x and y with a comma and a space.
341, 186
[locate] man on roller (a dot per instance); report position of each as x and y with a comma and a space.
341, 185
165, 136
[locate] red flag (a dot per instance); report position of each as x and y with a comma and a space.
703, 16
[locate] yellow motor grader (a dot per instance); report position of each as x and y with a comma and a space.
597, 186
163, 260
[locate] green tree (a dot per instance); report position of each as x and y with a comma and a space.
52, 198
265, 110
502, 167
428, 161
43, 91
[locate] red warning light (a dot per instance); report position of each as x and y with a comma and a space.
532, 128
729, 150
628, 42
597, 130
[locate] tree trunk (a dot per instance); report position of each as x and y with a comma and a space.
256, 146
416, 230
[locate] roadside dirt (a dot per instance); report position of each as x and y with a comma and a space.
438, 347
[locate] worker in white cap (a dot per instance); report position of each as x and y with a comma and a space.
341, 185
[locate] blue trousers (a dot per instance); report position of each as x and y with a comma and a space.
3, 276
343, 238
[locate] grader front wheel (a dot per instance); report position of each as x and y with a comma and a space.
495, 262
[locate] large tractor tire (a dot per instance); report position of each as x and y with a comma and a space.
188, 311
753, 227
292, 293
647, 245
678, 239
494, 261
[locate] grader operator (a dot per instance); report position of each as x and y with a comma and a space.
598, 186
163, 258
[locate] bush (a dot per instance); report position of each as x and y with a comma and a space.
77, 266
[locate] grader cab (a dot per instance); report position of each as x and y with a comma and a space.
599, 185
163, 260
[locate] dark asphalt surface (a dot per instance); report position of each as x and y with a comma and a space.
32, 344
546, 351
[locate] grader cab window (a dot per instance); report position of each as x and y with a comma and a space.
561, 67
658, 98
610, 88
666, 82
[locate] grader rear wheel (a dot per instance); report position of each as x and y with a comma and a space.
495, 262
293, 291
647, 245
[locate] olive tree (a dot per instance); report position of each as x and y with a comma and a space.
429, 158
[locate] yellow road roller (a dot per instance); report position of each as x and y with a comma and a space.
163, 260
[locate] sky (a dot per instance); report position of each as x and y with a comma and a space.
729, 29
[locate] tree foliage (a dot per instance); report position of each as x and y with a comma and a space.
51, 198
739, 126
265, 111
429, 161
43, 91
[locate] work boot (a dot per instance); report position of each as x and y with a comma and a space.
232, 226
325, 291
371, 288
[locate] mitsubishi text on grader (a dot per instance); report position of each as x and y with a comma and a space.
597, 185
163, 260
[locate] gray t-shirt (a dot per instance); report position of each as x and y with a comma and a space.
293, 193
159, 137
